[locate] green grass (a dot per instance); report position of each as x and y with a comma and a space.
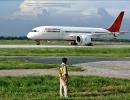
23, 42
16, 41
100, 52
24, 64
80, 88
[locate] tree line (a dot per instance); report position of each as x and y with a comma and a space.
14, 38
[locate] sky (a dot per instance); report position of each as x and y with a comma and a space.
18, 17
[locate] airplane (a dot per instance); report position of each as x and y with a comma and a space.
77, 35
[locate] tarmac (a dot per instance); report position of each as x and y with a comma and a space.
71, 59
63, 46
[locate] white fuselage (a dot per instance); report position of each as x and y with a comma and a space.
67, 33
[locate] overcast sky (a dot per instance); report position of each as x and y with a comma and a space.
18, 17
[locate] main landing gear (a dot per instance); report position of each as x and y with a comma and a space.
37, 42
89, 44
74, 43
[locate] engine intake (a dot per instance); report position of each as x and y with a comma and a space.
83, 39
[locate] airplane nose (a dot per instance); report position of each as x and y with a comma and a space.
29, 36
32, 35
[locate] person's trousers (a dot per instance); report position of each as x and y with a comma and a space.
63, 87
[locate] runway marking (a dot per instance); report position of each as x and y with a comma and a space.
39, 46
63, 46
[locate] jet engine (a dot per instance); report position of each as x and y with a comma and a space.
83, 40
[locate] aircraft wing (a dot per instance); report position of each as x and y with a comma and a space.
74, 36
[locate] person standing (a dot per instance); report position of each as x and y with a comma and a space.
63, 74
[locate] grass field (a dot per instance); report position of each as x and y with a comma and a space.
24, 64
100, 52
26, 42
16, 41
80, 88
47, 87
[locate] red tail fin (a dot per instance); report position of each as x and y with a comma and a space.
115, 27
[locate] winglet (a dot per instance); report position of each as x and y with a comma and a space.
115, 27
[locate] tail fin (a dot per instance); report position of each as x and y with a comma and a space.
115, 27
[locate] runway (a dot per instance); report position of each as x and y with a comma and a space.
38, 46
63, 46
57, 60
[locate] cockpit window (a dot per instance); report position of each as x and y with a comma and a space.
34, 30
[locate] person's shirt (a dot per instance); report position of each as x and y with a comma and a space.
63, 70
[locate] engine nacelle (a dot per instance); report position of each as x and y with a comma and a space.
83, 39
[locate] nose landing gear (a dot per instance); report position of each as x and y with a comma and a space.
37, 42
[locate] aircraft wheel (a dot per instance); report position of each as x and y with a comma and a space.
74, 43
89, 44
38, 42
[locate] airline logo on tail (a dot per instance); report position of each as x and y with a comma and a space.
115, 27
